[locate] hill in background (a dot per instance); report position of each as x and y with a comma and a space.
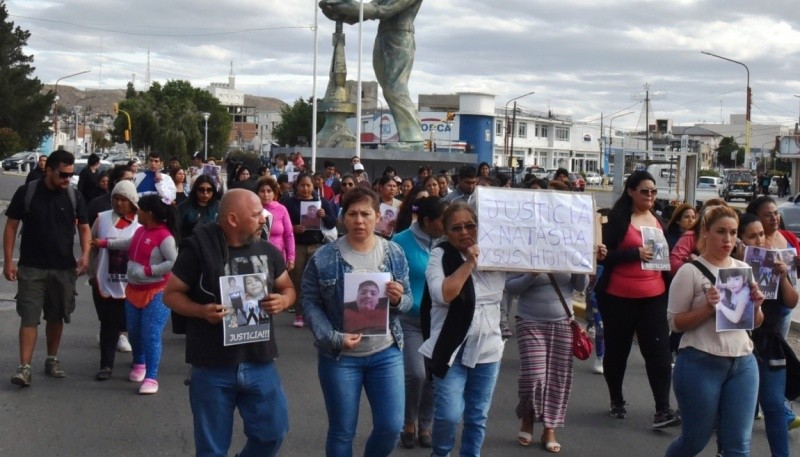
101, 101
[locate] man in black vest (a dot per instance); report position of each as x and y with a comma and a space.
242, 376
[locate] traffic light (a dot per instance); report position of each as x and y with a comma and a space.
450, 116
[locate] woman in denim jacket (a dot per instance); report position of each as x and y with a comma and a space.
349, 362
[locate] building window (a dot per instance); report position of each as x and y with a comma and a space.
541, 131
498, 130
522, 130
562, 134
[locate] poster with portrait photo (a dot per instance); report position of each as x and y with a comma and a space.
244, 321
213, 171
292, 176
655, 240
117, 265
735, 310
762, 262
309, 217
789, 257
388, 214
366, 306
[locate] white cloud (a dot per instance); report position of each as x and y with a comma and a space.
582, 57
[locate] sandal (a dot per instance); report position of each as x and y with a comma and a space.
525, 437
553, 446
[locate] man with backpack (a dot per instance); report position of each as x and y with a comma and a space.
49, 210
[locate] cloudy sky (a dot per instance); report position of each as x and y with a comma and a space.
581, 57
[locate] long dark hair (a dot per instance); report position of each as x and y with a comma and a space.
624, 205
404, 214
200, 180
162, 212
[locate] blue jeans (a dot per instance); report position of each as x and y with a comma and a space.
463, 392
712, 389
255, 389
381, 377
770, 395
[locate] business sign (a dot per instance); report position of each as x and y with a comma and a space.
536, 230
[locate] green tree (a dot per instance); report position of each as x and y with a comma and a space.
726, 147
23, 107
9, 142
296, 123
168, 119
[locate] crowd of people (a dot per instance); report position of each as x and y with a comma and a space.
157, 241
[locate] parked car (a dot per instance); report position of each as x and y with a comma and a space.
709, 182
594, 178
539, 172
80, 164
15, 161
790, 217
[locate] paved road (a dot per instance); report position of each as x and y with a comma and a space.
78, 416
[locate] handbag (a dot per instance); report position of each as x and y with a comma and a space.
581, 343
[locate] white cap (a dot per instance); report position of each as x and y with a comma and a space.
358, 167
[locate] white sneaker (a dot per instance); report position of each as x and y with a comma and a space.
597, 368
123, 345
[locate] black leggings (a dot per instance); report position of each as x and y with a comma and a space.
647, 318
111, 313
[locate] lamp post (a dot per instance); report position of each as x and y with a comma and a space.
55, 103
797, 126
510, 127
205, 148
749, 99
607, 151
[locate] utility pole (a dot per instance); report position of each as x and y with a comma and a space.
646, 99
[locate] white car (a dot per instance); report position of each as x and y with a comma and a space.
80, 164
593, 178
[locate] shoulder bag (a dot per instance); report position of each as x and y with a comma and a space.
581, 343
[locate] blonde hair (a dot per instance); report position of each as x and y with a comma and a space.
710, 216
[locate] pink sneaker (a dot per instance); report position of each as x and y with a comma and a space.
148, 387
298, 322
137, 372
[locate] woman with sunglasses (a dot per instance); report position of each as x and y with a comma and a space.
634, 301
202, 206
461, 315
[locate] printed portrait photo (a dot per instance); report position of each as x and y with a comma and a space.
309, 215
366, 306
735, 310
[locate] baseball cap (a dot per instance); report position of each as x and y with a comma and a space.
358, 167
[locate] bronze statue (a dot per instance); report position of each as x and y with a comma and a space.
392, 58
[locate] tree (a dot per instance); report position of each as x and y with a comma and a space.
726, 146
168, 119
23, 107
296, 123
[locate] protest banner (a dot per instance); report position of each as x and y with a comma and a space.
535, 230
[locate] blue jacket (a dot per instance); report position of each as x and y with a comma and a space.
322, 295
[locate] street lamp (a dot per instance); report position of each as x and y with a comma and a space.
610, 141
55, 103
510, 128
749, 98
205, 149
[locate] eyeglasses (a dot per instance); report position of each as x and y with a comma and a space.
347, 184
647, 192
65, 174
205, 190
460, 228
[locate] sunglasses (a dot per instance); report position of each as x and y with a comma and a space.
460, 228
65, 174
205, 190
347, 184
647, 192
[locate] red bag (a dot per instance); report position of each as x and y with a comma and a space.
581, 343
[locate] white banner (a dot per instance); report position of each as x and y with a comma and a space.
536, 230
